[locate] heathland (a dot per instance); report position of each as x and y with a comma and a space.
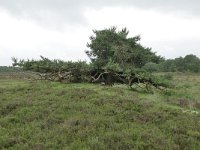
38, 114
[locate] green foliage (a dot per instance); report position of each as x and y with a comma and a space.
164, 80
110, 44
57, 69
9, 69
44, 65
151, 67
111, 66
190, 63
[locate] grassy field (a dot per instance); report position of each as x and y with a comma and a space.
50, 115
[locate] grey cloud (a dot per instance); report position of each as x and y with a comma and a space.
58, 12
47, 12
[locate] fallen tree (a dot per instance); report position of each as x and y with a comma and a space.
112, 77
115, 58
77, 72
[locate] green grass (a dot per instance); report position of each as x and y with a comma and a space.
51, 115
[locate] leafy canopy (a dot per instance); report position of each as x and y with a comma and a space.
110, 45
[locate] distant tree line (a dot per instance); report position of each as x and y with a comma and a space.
189, 63
9, 69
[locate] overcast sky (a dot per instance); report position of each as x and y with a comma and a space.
61, 28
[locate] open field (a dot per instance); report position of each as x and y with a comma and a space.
51, 115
